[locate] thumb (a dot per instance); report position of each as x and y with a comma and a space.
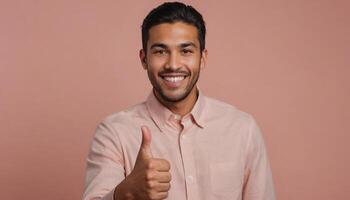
145, 148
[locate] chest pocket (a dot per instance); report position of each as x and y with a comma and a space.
226, 179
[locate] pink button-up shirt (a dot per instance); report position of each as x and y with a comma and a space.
216, 152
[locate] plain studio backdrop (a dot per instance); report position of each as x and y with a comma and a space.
67, 64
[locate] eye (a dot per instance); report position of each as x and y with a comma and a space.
160, 51
186, 51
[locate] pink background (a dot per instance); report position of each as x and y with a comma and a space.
65, 65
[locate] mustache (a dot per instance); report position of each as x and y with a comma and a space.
178, 71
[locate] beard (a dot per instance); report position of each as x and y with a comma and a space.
158, 89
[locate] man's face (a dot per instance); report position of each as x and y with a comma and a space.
173, 60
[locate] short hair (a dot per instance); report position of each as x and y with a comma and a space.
171, 12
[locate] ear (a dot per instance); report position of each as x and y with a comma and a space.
204, 58
143, 59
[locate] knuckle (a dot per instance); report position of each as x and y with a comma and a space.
167, 164
168, 186
153, 195
166, 195
149, 194
149, 175
169, 177
151, 184
150, 164
166, 177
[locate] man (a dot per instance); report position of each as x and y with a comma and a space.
179, 144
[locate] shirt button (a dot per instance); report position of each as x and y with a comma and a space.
190, 179
177, 117
183, 136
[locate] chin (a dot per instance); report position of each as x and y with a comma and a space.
174, 97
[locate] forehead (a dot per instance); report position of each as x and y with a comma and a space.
173, 34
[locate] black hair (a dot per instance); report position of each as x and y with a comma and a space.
171, 12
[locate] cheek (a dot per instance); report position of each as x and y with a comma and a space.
156, 63
192, 63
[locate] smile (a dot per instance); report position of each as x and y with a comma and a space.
173, 79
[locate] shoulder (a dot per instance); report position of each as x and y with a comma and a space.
127, 117
217, 109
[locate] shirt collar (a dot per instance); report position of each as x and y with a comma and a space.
161, 114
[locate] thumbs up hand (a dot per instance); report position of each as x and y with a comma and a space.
145, 152
150, 178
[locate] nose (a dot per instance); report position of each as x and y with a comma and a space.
174, 62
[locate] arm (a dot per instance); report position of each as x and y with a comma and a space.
105, 176
258, 182
105, 164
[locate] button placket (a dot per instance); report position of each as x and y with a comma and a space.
188, 162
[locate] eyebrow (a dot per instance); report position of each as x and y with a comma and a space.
187, 44
161, 45
182, 45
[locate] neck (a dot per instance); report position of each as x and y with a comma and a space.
182, 107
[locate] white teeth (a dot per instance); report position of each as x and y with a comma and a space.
174, 78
